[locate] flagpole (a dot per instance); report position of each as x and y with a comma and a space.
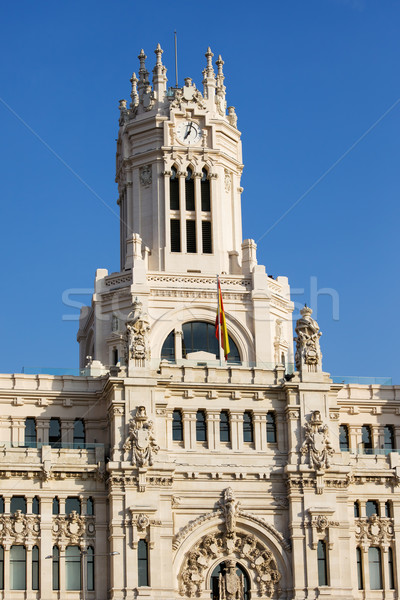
219, 323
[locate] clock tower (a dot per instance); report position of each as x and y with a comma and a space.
178, 169
179, 162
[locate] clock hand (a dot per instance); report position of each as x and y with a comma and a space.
189, 127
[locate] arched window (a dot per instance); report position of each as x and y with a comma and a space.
79, 433
90, 506
224, 426
189, 190
366, 438
375, 568
360, 576
200, 336
55, 433
30, 432
247, 426
222, 569
201, 426
35, 506
371, 508
388, 438
90, 568
18, 568
56, 506
143, 563
174, 190
35, 568
388, 509
1, 568
322, 563
18, 503
56, 568
344, 438
168, 348
356, 510
177, 426
72, 503
271, 428
72, 568
391, 569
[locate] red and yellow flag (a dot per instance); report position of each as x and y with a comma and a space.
221, 322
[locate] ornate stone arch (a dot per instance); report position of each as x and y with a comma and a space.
237, 330
231, 534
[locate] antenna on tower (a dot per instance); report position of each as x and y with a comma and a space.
176, 60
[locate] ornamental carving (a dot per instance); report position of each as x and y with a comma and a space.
227, 180
316, 443
137, 334
230, 510
73, 527
308, 354
146, 175
231, 549
230, 584
374, 531
19, 526
141, 439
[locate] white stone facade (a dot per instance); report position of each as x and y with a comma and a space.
175, 461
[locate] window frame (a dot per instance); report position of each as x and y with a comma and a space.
322, 563
201, 426
248, 427
143, 570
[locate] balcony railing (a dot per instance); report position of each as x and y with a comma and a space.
362, 380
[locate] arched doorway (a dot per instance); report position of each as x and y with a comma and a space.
220, 578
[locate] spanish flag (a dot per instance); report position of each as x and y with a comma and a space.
221, 335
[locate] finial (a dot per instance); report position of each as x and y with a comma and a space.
220, 63
134, 94
209, 55
158, 52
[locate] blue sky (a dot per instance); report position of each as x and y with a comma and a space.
315, 85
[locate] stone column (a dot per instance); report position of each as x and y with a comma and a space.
213, 429
237, 430
189, 429
28, 547
129, 208
365, 567
42, 430
178, 344
46, 547
260, 430
67, 431
182, 207
397, 436
197, 200
168, 421
281, 437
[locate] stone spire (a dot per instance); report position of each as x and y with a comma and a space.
209, 76
134, 93
143, 73
159, 76
220, 97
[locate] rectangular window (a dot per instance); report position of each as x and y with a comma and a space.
35, 568
359, 569
191, 236
90, 569
56, 568
73, 568
206, 234
1, 568
177, 426
271, 428
175, 235
247, 426
224, 426
391, 569
375, 568
143, 564
18, 568
322, 564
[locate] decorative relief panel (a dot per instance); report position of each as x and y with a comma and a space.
71, 528
141, 439
146, 175
317, 444
374, 531
19, 527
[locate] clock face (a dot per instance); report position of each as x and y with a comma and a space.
188, 132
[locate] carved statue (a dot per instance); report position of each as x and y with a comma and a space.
317, 443
141, 439
307, 341
231, 585
230, 507
137, 333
